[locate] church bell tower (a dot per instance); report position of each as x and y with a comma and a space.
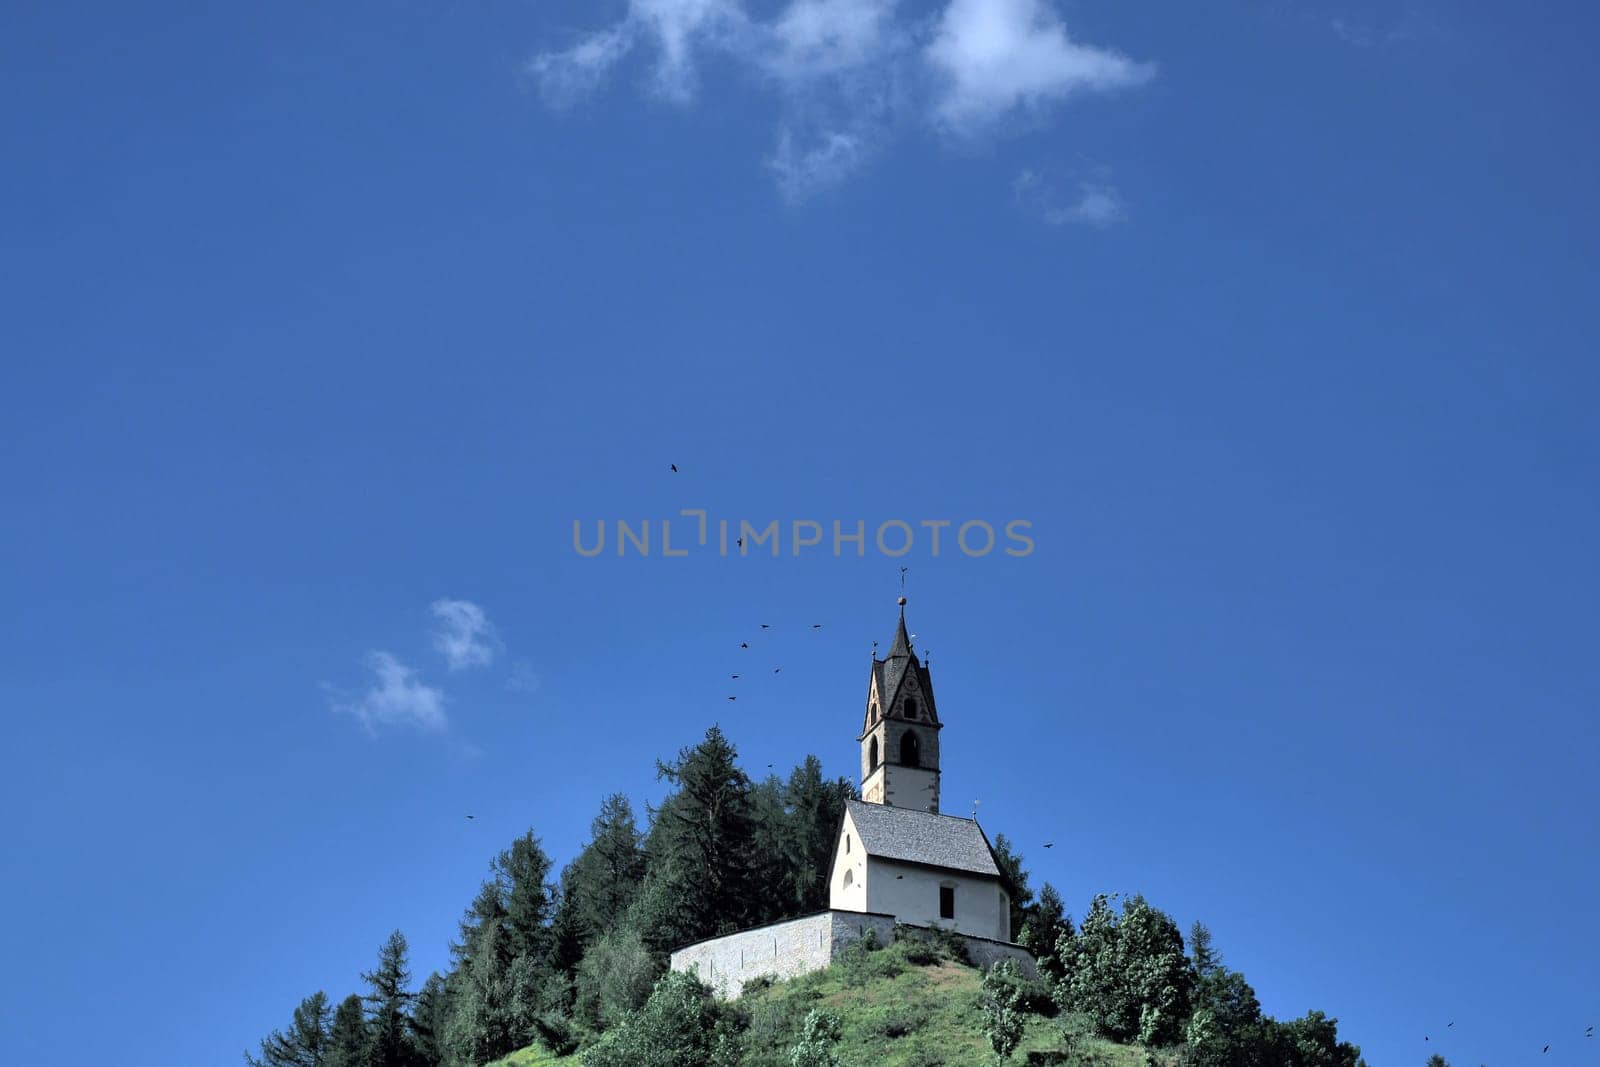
900, 736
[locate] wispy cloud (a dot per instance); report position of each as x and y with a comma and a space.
1407, 21
999, 56
1093, 203
464, 635
522, 678
846, 75
396, 698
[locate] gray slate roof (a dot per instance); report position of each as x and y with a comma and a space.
922, 837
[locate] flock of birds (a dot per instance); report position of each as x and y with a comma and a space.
1588, 1033
745, 645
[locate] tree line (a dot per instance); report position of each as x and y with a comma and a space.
560, 959
563, 960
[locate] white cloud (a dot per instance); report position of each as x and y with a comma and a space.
396, 699
847, 74
802, 169
1095, 203
817, 38
1000, 55
566, 75
465, 637
675, 28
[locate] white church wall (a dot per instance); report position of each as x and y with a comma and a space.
911, 894
848, 890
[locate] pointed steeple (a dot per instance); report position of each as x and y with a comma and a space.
900, 732
902, 643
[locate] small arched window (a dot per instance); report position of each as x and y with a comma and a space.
872, 755
846, 844
911, 708
849, 879
910, 750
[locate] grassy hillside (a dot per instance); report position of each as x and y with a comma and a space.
907, 1005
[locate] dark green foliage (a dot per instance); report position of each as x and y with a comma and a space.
598, 887
347, 1036
1128, 973
305, 1044
1437, 1060
1002, 1008
388, 1007
1041, 932
614, 978
504, 980
1010, 864
681, 1025
428, 1018
494, 1000
705, 864
1312, 1041
814, 808
1203, 957
525, 871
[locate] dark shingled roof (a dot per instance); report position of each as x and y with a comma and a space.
914, 836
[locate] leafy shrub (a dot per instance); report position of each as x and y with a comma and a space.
681, 1025
817, 1037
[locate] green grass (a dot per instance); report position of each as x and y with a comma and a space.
906, 1005
536, 1057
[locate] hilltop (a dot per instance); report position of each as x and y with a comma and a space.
907, 1005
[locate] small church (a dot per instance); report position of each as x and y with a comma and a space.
899, 867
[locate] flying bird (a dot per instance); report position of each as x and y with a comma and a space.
816, 626
1546, 1049
775, 670
1049, 844
674, 467
736, 677
744, 644
740, 542
733, 698
472, 816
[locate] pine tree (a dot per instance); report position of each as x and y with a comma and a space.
1204, 956
1042, 931
529, 897
431, 1013
347, 1037
306, 1043
598, 886
1010, 864
815, 808
703, 876
388, 1007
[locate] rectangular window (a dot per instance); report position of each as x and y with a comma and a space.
947, 902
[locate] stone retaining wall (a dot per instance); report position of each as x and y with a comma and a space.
787, 949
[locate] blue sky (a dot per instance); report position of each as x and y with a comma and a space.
323, 323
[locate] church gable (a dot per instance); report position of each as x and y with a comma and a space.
912, 836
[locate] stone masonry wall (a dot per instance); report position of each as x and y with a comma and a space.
984, 952
779, 950
787, 949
